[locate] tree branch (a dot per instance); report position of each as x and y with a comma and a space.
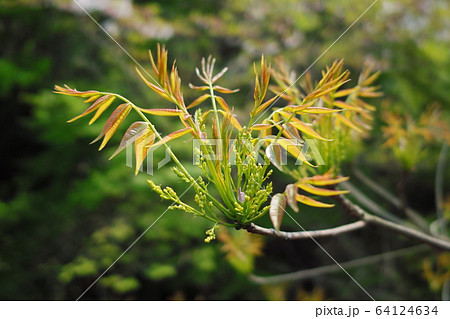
369, 204
357, 212
380, 190
319, 271
255, 229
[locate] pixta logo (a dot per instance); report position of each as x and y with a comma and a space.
306, 150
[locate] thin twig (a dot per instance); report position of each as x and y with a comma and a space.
377, 188
255, 229
320, 271
358, 212
368, 203
394, 200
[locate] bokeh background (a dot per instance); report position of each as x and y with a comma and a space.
66, 212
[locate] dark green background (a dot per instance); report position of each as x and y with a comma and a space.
66, 212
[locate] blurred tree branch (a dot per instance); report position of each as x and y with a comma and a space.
357, 212
380, 190
320, 271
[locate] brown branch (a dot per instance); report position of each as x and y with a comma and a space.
319, 271
255, 229
357, 212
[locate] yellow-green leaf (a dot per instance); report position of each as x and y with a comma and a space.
325, 182
293, 149
260, 127
92, 98
345, 105
113, 123
223, 104
198, 100
234, 121
345, 92
319, 191
162, 112
320, 110
266, 104
90, 109
311, 202
133, 132
142, 147
102, 104
301, 126
155, 88
297, 108
349, 123
173, 135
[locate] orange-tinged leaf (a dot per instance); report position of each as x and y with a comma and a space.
297, 108
173, 135
198, 101
371, 78
301, 126
345, 105
345, 92
73, 92
291, 132
266, 104
320, 110
364, 105
92, 108
102, 106
260, 127
273, 153
198, 88
293, 148
234, 121
319, 191
322, 92
113, 123
291, 196
224, 90
349, 123
92, 98
369, 93
133, 132
325, 182
276, 211
162, 112
155, 88
311, 202
223, 104
142, 147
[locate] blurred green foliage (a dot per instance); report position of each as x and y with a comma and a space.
66, 213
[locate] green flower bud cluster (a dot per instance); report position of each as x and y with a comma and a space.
211, 234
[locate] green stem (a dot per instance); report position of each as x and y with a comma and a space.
171, 153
